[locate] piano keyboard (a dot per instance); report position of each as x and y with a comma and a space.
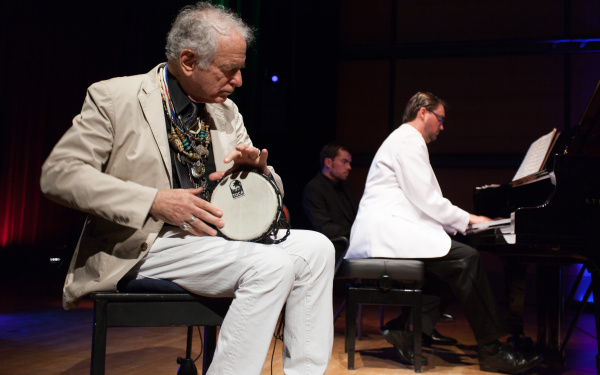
505, 226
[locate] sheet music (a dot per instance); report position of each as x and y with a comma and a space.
536, 155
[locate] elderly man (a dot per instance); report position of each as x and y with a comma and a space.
403, 214
141, 159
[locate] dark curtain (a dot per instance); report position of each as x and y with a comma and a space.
51, 52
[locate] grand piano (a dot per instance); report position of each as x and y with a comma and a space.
552, 219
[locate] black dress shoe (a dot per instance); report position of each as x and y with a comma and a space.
403, 342
520, 342
447, 318
508, 360
437, 338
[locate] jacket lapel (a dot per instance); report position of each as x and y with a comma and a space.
151, 104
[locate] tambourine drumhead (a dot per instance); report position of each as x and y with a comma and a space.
249, 203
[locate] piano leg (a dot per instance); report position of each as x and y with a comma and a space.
541, 308
515, 273
550, 314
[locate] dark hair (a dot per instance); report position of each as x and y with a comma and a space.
331, 150
418, 101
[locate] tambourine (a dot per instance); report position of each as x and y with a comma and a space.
252, 208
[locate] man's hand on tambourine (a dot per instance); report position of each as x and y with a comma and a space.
244, 157
181, 207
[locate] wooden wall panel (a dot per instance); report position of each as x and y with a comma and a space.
495, 104
585, 74
434, 20
585, 18
363, 92
365, 22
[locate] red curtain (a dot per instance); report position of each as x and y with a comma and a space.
51, 52
20, 205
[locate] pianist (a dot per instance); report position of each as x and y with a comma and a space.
403, 214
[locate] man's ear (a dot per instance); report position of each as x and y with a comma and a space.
187, 61
328, 162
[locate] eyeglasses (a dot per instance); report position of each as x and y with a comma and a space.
440, 118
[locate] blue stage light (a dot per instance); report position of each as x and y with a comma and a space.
585, 283
274, 78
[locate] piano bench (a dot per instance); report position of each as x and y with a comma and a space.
385, 271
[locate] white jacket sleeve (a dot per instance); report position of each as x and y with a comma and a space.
418, 182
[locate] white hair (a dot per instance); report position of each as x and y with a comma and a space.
199, 28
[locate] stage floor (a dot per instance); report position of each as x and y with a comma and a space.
38, 337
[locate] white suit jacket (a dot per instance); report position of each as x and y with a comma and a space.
111, 163
402, 213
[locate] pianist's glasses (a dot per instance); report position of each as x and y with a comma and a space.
440, 118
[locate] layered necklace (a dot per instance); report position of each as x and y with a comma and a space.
190, 144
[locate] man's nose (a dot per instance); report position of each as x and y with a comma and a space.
236, 80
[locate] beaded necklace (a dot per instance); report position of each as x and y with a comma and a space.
191, 145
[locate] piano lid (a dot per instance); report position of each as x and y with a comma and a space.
586, 138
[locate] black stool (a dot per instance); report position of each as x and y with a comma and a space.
386, 271
155, 303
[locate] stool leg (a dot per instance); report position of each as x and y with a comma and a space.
339, 311
417, 329
210, 343
99, 338
360, 315
188, 347
351, 307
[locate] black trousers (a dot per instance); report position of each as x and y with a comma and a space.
461, 272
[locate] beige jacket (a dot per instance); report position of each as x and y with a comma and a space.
111, 163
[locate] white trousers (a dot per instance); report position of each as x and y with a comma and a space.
297, 272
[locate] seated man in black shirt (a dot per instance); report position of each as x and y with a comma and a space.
328, 200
